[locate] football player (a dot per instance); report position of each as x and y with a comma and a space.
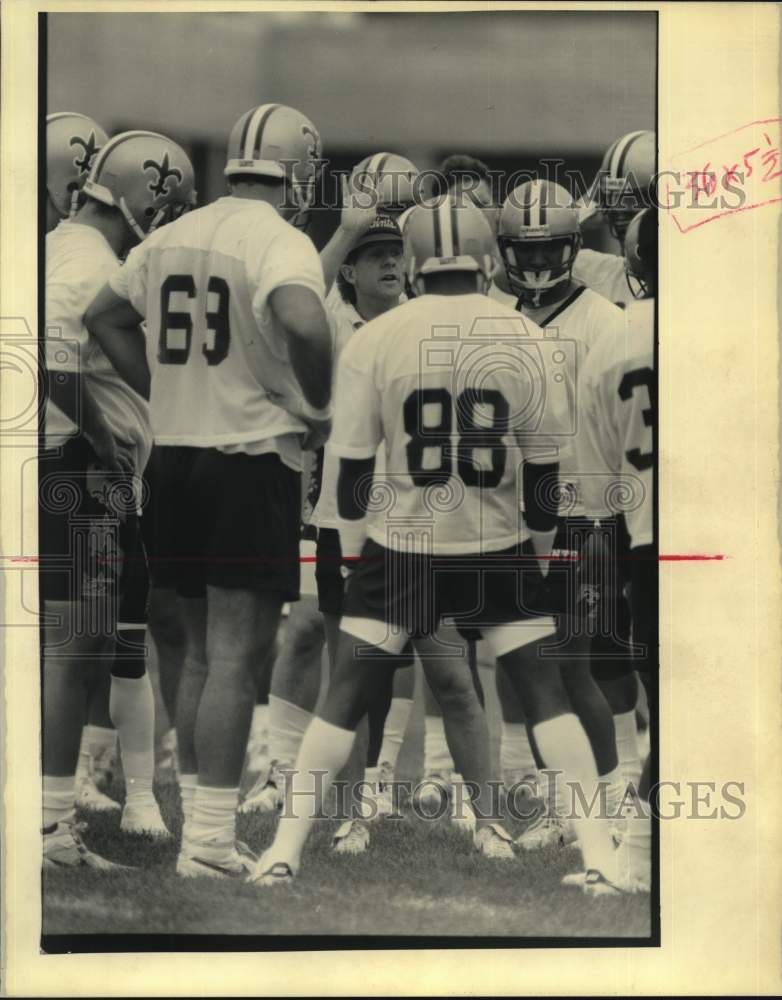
539, 240
623, 186
618, 440
369, 283
97, 442
459, 429
239, 350
72, 140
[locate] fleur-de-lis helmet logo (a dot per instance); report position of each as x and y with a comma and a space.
90, 147
163, 171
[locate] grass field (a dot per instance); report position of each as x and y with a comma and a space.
417, 878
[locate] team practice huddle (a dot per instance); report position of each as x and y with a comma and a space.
436, 435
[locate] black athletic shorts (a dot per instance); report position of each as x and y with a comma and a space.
90, 544
328, 572
227, 520
644, 606
414, 592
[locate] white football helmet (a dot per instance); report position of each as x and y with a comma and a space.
625, 179
148, 177
539, 237
72, 140
388, 177
273, 140
452, 235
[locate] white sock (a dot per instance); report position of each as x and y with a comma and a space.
627, 747
287, 725
132, 710
214, 818
637, 845
259, 728
515, 751
187, 787
437, 756
614, 785
58, 798
565, 747
324, 748
93, 740
394, 731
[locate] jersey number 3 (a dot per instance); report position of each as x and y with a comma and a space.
176, 328
640, 379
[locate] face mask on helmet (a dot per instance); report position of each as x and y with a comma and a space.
534, 266
620, 201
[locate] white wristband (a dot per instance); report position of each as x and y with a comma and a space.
352, 535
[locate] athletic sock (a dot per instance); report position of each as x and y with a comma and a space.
437, 756
564, 746
213, 825
324, 748
614, 790
394, 731
187, 787
58, 798
93, 740
627, 747
132, 710
287, 725
515, 752
637, 845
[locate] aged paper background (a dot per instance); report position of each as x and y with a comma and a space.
720, 621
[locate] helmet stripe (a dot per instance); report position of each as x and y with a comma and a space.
376, 163
243, 137
535, 197
112, 144
438, 241
255, 131
457, 247
444, 211
544, 193
620, 153
525, 203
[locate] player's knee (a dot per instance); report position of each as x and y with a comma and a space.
454, 691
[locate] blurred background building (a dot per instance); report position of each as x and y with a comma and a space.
508, 87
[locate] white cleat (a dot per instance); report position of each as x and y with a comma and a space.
195, 861
64, 848
547, 831
267, 794
89, 796
267, 872
595, 883
351, 838
494, 842
144, 819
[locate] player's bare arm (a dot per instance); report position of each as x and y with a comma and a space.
300, 312
114, 323
355, 474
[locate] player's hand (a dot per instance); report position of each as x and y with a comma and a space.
112, 456
359, 208
317, 435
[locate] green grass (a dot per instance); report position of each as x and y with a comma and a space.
416, 878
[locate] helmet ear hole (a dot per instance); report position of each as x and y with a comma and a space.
149, 211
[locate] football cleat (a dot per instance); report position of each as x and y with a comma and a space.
233, 862
144, 819
267, 794
595, 883
494, 842
351, 838
268, 872
547, 831
89, 796
64, 848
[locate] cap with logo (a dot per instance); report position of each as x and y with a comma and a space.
382, 230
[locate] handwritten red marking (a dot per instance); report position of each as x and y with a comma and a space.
696, 193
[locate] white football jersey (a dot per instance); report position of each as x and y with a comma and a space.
604, 273
455, 387
79, 261
571, 329
618, 409
221, 375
